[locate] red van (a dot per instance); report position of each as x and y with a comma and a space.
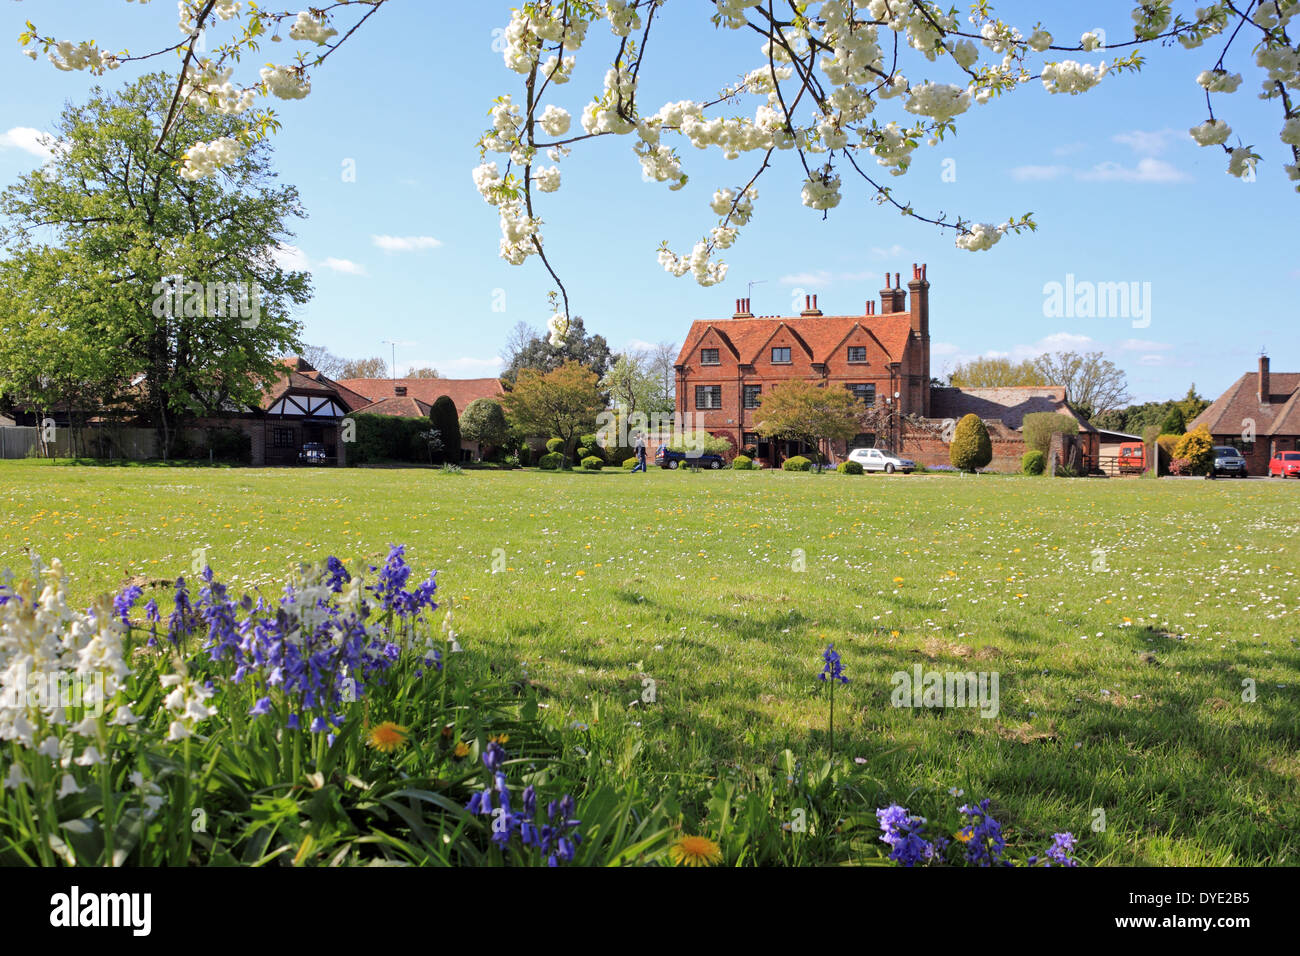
1132, 458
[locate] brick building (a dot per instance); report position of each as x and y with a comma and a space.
882, 356
1259, 414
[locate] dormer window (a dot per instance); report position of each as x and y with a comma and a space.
857, 353
400, 390
781, 356
709, 357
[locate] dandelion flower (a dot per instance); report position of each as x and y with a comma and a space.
387, 737
462, 750
695, 851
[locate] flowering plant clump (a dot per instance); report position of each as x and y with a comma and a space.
555, 839
979, 842
127, 743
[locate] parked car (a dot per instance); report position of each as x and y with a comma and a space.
1284, 464
667, 458
1229, 462
881, 459
312, 453
1132, 458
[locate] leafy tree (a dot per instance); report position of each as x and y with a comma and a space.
374, 367
562, 403
447, 422
484, 422
633, 386
1039, 427
323, 360
800, 410
171, 279
425, 372
663, 368
971, 447
540, 355
996, 373
1174, 423
1092, 382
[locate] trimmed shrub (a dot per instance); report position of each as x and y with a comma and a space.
445, 418
1039, 427
552, 461
629, 463
971, 448
1197, 447
592, 463
742, 463
553, 445
386, 438
582, 452
1033, 462
797, 463
849, 468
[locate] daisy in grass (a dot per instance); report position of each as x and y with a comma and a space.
387, 737
695, 851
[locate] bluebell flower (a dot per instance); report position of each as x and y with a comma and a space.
834, 668
1059, 851
263, 706
123, 603
493, 756
982, 835
901, 831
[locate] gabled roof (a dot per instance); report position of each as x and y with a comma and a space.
1228, 413
462, 391
821, 334
1009, 404
395, 407
298, 377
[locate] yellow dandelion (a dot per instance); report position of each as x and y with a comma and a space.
963, 835
462, 750
500, 739
387, 736
898, 580
695, 851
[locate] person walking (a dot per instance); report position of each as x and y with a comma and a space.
640, 453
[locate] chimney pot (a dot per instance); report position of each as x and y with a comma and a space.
898, 281
814, 303
1264, 385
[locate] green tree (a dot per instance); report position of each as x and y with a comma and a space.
425, 372
971, 447
1092, 382
484, 422
373, 367
996, 373
562, 403
539, 354
1039, 427
173, 280
447, 422
1174, 423
800, 410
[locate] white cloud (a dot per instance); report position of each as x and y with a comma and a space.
29, 140
892, 252
943, 349
824, 277
1148, 142
1061, 342
346, 266
295, 259
1142, 345
291, 258
405, 243
1065, 149
1038, 174
1148, 170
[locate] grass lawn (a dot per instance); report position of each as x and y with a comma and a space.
686, 614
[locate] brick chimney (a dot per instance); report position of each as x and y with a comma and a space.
892, 297
919, 288
1263, 380
742, 310
810, 306
871, 307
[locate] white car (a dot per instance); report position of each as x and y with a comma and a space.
881, 459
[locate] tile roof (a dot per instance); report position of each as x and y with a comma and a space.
1280, 416
395, 407
1008, 404
821, 334
462, 391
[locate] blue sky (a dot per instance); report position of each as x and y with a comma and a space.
1120, 191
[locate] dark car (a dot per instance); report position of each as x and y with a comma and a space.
313, 453
1229, 462
667, 458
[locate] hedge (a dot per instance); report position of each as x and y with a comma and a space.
797, 463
